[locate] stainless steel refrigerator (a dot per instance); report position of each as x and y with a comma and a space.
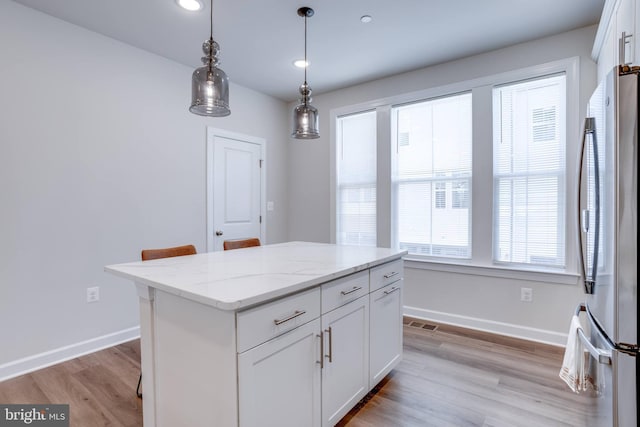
608, 221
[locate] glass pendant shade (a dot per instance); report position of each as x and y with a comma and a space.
305, 117
210, 85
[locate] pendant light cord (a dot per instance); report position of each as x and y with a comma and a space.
306, 64
211, 22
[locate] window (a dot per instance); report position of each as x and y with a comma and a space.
433, 176
529, 172
356, 179
475, 174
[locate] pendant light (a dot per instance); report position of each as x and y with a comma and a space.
209, 84
305, 115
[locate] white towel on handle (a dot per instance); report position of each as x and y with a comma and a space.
572, 371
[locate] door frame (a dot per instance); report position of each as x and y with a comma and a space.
212, 134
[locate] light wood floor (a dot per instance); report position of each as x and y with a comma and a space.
448, 377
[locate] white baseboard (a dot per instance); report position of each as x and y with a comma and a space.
511, 330
42, 360
52, 357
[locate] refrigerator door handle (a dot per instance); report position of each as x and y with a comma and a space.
602, 356
584, 215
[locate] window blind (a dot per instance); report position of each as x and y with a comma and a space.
356, 178
432, 180
529, 172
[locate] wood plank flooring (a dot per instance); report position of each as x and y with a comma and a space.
456, 377
99, 387
449, 376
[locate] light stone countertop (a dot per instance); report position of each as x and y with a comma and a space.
233, 280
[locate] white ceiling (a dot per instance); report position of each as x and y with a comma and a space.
260, 39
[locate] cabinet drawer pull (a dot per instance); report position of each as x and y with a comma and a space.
286, 319
330, 355
321, 361
390, 275
392, 290
355, 288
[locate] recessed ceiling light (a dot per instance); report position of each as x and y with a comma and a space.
190, 5
301, 63
365, 19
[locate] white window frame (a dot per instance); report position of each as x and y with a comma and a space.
441, 185
337, 185
481, 88
560, 175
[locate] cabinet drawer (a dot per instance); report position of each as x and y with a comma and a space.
346, 289
387, 273
260, 324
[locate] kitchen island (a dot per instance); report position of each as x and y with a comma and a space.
271, 335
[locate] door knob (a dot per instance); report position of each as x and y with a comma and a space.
219, 233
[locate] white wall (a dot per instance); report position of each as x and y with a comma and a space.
99, 158
484, 302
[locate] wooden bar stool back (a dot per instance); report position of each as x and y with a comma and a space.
149, 254
240, 243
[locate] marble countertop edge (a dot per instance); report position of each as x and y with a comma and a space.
257, 288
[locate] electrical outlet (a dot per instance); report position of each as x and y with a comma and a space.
526, 294
93, 294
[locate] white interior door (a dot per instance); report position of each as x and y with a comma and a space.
235, 190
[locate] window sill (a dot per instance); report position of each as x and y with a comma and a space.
549, 276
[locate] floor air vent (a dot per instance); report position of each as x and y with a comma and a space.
421, 325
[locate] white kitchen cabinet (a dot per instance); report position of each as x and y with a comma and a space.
385, 274
620, 19
279, 381
626, 32
607, 54
266, 321
385, 331
345, 372
342, 291
270, 336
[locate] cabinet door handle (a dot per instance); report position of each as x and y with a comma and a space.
390, 275
330, 355
355, 288
286, 319
392, 290
622, 47
321, 361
